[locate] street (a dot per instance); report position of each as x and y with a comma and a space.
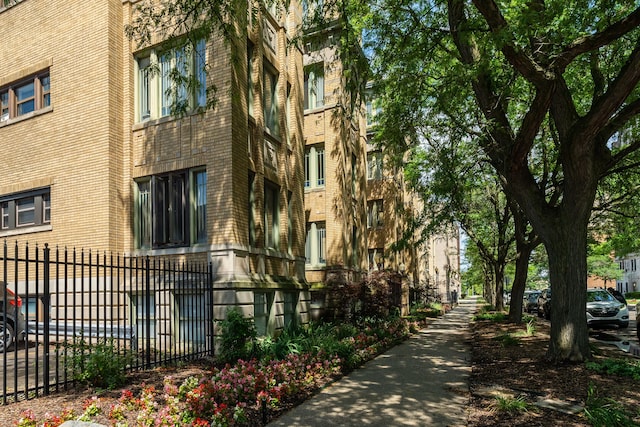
23, 365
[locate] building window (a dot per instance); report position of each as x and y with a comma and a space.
289, 222
270, 100
143, 309
316, 244
25, 96
312, 9
251, 208
314, 86
271, 215
290, 312
374, 165
314, 169
28, 209
375, 213
373, 110
262, 302
165, 205
171, 81
192, 314
250, 67
376, 259
288, 112
199, 198
354, 176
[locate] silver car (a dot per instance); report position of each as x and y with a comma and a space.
12, 320
604, 309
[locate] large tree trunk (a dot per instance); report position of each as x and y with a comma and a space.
568, 274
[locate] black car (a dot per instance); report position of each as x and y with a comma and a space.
530, 301
544, 304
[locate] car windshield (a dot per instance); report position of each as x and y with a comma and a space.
599, 296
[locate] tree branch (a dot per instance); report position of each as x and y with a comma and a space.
596, 41
525, 65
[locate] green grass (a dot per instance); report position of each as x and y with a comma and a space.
619, 367
529, 331
493, 316
606, 412
508, 340
511, 404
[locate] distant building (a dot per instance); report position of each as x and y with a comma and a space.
630, 281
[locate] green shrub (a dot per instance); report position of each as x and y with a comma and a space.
492, 316
100, 365
238, 338
632, 295
606, 412
619, 367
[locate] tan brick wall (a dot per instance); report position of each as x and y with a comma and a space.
336, 203
77, 146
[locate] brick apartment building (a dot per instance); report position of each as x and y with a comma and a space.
335, 170
274, 184
93, 156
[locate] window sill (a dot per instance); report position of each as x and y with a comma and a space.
315, 266
175, 250
314, 189
159, 120
27, 116
26, 230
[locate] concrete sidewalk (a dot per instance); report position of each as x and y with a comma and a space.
421, 382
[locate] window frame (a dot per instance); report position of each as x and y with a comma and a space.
166, 209
270, 98
10, 101
314, 166
171, 80
10, 210
375, 213
316, 244
290, 301
262, 319
314, 93
374, 165
271, 215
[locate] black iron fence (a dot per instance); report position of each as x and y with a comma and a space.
151, 311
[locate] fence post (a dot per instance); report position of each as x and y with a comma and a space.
47, 316
211, 310
147, 303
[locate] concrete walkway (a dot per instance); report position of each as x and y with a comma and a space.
421, 382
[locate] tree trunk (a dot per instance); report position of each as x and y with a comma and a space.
568, 273
499, 286
520, 281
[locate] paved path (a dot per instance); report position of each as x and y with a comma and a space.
421, 382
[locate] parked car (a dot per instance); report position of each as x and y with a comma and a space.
544, 304
604, 309
530, 301
506, 298
12, 320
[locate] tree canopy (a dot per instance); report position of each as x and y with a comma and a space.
542, 88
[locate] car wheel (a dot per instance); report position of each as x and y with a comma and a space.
623, 325
6, 336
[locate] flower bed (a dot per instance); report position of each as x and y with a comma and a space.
250, 392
